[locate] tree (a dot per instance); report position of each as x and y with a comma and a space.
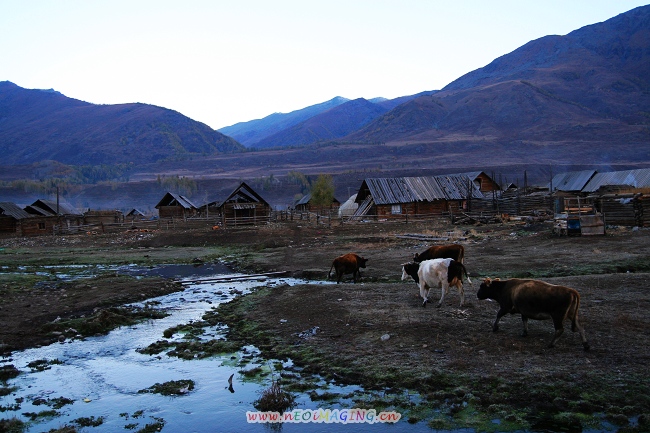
322, 192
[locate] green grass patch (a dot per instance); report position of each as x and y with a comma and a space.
172, 388
7, 372
43, 364
89, 421
105, 320
13, 425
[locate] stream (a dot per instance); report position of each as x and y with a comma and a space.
100, 377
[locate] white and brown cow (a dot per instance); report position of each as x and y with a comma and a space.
535, 299
451, 251
440, 273
347, 264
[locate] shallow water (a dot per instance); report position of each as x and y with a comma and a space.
103, 375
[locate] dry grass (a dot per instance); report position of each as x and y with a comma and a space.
274, 399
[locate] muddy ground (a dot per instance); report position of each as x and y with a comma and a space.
376, 332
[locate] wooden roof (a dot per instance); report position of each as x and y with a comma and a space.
13, 210
244, 194
50, 207
171, 199
414, 189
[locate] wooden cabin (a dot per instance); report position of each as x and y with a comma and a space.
305, 205
103, 217
395, 197
176, 206
211, 209
482, 181
11, 216
135, 215
15, 221
244, 206
61, 215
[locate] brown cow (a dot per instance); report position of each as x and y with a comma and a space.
347, 264
535, 299
451, 251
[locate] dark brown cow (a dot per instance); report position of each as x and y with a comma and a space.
451, 251
347, 264
535, 299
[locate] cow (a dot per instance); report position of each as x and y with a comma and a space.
347, 264
535, 299
437, 273
451, 251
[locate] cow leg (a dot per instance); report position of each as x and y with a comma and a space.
576, 326
339, 276
524, 319
559, 329
502, 312
461, 292
557, 334
444, 290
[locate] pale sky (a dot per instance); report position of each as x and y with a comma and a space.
223, 62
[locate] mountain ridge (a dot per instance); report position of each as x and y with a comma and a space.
38, 125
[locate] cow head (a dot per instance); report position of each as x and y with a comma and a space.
487, 289
411, 269
361, 262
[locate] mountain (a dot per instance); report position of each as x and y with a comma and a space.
37, 125
251, 132
328, 124
592, 85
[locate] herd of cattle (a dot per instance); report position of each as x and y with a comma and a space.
443, 266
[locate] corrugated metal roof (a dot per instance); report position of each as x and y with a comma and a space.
304, 200
51, 206
35, 210
13, 210
414, 189
458, 187
639, 178
572, 180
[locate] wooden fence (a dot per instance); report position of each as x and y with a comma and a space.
618, 209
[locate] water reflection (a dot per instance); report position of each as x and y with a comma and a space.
104, 375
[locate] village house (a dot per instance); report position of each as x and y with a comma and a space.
393, 197
176, 206
135, 215
305, 205
244, 206
483, 182
97, 217
15, 221
60, 215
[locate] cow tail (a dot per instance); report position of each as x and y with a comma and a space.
466, 274
329, 274
573, 311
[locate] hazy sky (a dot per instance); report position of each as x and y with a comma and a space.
223, 62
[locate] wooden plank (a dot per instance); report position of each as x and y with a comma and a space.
234, 278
